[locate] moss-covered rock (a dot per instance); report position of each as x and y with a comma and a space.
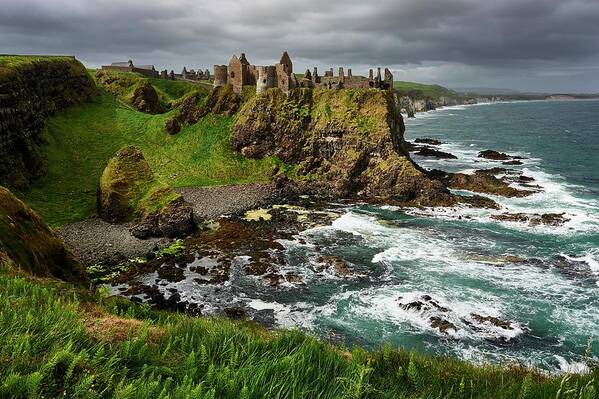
27, 243
132, 88
223, 100
350, 141
31, 89
129, 191
145, 99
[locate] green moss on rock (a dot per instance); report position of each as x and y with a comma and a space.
129, 191
351, 139
134, 89
27, 243
31, 89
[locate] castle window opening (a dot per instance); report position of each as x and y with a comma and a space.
232, 74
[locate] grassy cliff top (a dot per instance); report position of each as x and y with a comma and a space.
9, 64
16, 60
421, 90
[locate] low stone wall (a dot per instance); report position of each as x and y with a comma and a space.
30, 92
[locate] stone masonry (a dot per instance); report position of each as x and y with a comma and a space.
241, 73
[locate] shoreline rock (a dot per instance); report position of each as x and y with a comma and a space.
129, 191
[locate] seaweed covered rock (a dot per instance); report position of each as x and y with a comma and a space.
31, 89
348, 141
27, 243
129, 191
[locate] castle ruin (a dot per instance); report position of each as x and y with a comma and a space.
241, 73
146, 70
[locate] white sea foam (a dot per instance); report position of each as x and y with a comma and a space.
571, 367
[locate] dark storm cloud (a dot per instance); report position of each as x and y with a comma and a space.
528, 44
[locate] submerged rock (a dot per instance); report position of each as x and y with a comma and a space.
495, 155
129, 191
442, 325
28, 244
534, 219
431, 152
424, 140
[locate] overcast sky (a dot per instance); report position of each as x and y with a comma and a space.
539, 45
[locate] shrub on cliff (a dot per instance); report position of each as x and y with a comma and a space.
129, 191
27, 243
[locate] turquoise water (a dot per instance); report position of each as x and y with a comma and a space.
544, 281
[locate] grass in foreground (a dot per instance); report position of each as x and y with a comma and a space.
82, 139
56, 341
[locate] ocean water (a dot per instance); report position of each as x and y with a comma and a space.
468, 271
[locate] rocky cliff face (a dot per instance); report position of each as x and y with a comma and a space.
31, 89
28, 244
349, 142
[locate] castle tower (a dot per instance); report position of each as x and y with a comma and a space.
349, 73
220, 75
370, 74
388, 78
286, 62
267, 77
341, 74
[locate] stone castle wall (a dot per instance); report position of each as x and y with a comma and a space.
29, 93
240, 73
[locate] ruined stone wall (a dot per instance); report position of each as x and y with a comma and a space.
266, 78
220, 75
29, 93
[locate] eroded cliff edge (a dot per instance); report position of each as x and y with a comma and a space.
346, 143
31, 89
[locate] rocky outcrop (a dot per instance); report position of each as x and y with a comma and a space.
133, 89
223, 100
478, 182
534, 219
31, 89
129, 191
426, 151
497, 156
145, 99
349, 142
27, 243
405, 105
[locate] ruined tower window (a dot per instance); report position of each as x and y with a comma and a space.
263, 80
232, 74
371, 84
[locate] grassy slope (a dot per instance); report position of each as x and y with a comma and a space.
83, 138
59, 342
420, 90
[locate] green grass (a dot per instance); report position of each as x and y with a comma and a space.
11, 61
56, 341
82, 139
171, 90
420, 90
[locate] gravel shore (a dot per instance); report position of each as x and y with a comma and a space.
94, 241
211, 202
